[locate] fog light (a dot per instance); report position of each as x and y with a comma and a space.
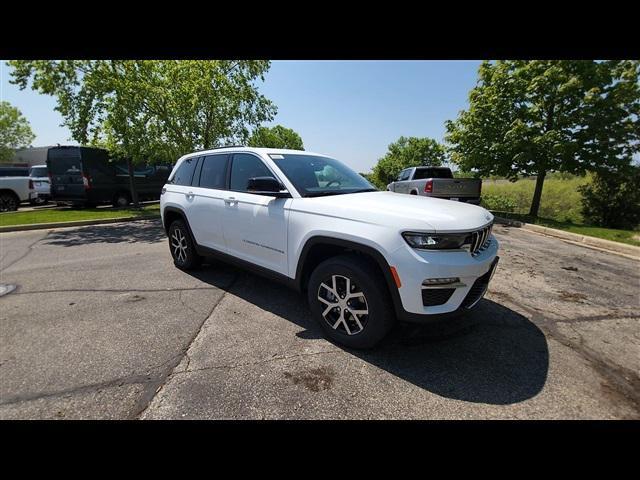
440, 281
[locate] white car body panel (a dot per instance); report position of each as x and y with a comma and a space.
19, 186
272, 232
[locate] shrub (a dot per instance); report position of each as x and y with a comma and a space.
561, 199
499, 203
613, 199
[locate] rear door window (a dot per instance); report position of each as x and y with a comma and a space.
184, 174
214, 172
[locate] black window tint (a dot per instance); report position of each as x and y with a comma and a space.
244, 167
432, 173
184, 174
213, 172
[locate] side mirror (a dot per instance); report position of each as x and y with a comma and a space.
267, 186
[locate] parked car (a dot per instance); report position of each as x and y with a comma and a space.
40, 176
15, 187
88, 176
437, 182
364, 257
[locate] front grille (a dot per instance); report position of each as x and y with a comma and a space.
436, 296
479, 240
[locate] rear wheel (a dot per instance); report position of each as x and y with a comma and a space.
121, 199
182, 247
350, 301
8, 202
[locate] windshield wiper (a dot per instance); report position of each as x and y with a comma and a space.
338, 192
365, 190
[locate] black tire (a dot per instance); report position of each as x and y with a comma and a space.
413, 192
365, 278
8, 202
121, 199
188, 259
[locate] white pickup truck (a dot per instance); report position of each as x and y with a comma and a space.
15, 187
364, 258
437, 182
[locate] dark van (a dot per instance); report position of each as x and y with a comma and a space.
87, 176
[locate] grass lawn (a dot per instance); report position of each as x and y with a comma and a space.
623, 236
50, 215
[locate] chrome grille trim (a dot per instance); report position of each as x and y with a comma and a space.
480, 240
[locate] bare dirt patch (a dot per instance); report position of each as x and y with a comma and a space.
316, 379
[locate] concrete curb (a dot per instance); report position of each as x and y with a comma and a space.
77, 223
599, 243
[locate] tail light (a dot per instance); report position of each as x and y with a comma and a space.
428, 187
30, 184
86, 179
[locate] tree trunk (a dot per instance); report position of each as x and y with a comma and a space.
132, 185
537, 194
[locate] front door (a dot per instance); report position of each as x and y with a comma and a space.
255, 226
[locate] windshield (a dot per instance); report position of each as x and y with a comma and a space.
38, 172
315, 176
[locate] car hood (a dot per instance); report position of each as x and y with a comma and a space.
408, 212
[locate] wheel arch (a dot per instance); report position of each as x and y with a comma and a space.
170, 215
319, 248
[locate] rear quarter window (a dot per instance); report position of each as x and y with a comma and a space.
184, 173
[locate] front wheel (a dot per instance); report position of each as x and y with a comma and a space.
349, 299
182, 247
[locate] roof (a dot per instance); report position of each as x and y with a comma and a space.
259, 150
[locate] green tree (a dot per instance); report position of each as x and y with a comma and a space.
407, 152
146, 110
535, 117
276, 137
15, 131
613, 199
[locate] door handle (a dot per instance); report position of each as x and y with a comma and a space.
230, 201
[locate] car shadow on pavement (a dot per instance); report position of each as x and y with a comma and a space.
490, 355
147, 231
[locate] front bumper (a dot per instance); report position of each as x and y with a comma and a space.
414, 266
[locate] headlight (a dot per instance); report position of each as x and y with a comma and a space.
436, 241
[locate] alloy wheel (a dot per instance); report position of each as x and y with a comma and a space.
179, 245
345, 306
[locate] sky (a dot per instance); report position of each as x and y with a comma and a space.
349, 110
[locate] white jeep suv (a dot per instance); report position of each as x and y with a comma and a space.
364, 257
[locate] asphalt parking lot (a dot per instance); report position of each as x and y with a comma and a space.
101, 325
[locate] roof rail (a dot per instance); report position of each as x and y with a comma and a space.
217, 148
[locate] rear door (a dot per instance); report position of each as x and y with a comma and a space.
206, 211
65, 167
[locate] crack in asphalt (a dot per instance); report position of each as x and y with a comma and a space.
155, 386
621, 382
117, 382
114, 290
29, 250
248, 364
